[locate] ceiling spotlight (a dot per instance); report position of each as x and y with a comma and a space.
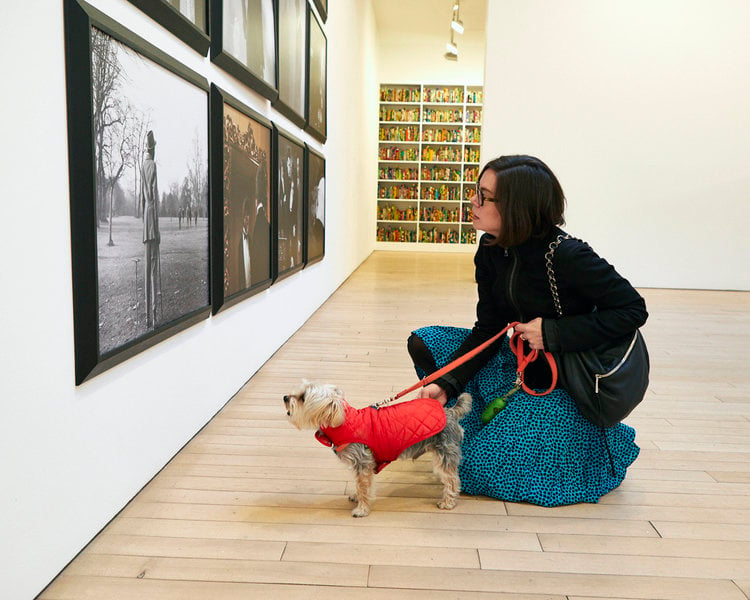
451, 56
457, 25
451, 47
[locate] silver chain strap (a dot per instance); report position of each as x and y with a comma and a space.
551, 270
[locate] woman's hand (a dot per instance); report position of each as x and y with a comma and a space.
532, 333
433, 390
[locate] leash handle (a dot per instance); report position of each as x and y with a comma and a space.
525, 360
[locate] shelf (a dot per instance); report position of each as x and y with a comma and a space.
444, 185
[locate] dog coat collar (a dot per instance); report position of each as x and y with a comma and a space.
386, 431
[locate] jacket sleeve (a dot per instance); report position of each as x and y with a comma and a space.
618, 308
489, 322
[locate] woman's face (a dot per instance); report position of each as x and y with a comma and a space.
486, 217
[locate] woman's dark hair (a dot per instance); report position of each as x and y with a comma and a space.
529, 198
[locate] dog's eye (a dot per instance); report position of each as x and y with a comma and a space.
301, 398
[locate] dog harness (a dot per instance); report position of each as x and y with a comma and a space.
386, 431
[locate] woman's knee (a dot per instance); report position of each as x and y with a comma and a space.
420, 353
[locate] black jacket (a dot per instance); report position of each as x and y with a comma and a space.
598, 305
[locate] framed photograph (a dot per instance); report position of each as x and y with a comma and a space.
316, 79
138, 156
315, 215
243, 42
242, 200
292, 42
290, 163
187, 19
322, 6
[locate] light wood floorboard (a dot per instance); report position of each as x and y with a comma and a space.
252, 508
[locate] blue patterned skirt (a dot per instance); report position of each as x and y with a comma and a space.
538, 449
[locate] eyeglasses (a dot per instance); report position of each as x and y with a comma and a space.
481, 198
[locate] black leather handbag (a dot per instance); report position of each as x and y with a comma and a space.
606, 382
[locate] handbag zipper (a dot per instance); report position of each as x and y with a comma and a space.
616, 368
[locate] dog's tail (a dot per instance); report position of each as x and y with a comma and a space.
461, 407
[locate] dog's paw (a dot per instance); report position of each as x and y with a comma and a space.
447, 503
353, 498
360, 511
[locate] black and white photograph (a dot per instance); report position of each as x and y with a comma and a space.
140, 226
316, 206
322, 6
292, 41
151, 156
243, 244
187, 19
316, 80
290, 198
244, 42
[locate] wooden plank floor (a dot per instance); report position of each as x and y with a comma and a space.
252, 508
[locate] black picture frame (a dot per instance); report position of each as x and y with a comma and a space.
292, 52
315, 205
288, 250
322, 6
193, 31
316, 97
234, 32
242, 200
143, 85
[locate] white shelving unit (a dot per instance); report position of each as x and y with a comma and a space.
428, 162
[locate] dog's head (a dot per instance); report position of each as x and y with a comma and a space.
313, 405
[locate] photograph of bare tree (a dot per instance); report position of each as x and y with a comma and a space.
138, 176
316, 206
243, 42
151, 157
289, 199
316, 80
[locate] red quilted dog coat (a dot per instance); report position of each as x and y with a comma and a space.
386, 431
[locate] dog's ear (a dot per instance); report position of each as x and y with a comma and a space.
335, 415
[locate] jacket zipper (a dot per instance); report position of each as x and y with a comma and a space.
616, 368
511, 282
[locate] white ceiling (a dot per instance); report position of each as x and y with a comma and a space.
428, 17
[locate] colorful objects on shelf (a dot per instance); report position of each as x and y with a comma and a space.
429, 158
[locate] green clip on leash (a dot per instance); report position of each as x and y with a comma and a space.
516, 345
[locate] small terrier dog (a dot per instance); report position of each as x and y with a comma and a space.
365, 439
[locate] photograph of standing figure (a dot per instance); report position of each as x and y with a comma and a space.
151, 270
291, 155
246, 45
246, 195
316, 207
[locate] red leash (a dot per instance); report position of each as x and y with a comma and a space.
516, 345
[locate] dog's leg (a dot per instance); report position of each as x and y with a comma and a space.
447, 471
364, 476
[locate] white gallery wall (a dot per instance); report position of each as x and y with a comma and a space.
418, 58
72, 456
642, 109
